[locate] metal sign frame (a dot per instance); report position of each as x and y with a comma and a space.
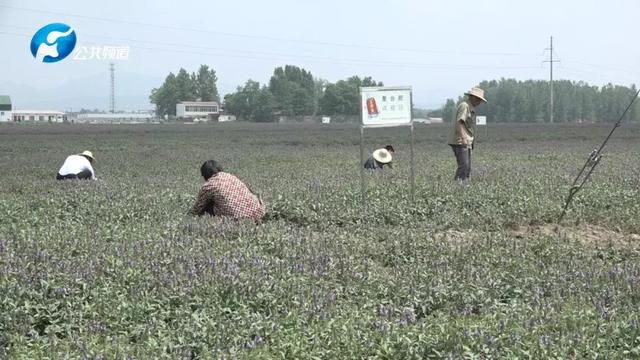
363, 126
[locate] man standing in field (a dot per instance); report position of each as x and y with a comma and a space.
224, 194
463, 125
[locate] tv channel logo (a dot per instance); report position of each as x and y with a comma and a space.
53, 42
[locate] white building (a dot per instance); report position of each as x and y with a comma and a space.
39, 116
5, 108
117, 118
209, 110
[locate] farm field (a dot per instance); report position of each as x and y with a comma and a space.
117, 269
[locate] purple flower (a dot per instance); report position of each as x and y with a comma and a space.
381, 326
256, 341
545, 340
516, 338
409, 316
385, 311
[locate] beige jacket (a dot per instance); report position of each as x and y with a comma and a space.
464, 124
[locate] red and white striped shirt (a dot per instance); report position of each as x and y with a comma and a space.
226, 195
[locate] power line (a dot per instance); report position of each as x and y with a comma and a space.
262, 37
334, 61
606, 78
602, 67
180, 45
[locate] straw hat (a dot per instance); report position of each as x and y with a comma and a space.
88, 154
477, 92
382, 156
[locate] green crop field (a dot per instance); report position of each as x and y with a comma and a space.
115, 269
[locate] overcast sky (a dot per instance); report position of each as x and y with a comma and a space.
440, 48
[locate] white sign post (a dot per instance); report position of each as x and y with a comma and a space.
385, 106
482, 121
326, 120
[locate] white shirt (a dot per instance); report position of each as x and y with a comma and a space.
75, 164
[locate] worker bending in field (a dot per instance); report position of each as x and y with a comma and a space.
380, 158
78, 167
463, 125
223, 194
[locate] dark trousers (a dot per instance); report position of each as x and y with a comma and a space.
463, 158
83, 175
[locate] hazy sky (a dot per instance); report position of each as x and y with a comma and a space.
441, 48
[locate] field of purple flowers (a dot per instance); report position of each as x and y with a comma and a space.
116, 269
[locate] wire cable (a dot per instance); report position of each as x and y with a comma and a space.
259, 37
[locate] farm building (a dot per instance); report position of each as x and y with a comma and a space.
5, 108
117, 118
209, 110
39, 116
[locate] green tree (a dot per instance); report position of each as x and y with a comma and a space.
205, 84
449, 110
343, 97
184, 87
166, 96
294, 91
251, 102
264, 108
512, 101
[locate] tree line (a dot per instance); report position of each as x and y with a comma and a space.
294, 91
200, 85
291, 91
510, 100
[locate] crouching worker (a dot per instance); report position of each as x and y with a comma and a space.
380, 158
223, 194
78, 167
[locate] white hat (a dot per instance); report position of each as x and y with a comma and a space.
477, 92
382, 156
88, 154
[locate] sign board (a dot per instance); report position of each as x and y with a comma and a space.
481, 120
385, 106
326, 120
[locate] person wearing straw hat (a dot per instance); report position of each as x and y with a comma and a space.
463, 131
380, 158
78, 167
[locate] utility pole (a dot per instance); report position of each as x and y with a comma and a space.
551, 61
112, 98
550, 80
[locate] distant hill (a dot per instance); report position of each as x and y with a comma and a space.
132, 93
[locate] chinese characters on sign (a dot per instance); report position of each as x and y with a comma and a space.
386, 106
104, 52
